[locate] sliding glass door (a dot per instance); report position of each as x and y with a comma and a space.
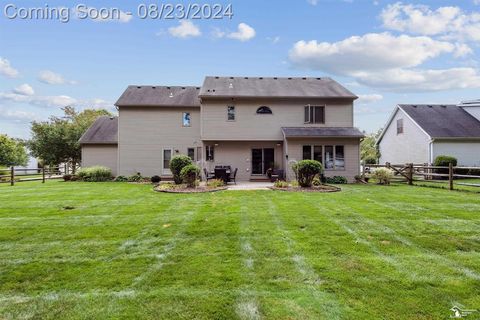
262, 160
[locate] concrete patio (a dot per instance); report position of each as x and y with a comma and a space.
250, 185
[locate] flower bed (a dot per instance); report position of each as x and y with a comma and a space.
183, 188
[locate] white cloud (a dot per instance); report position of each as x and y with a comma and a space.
24, 89
41, 101
17, 115
6, 69
50, 77
387, 62
408, 80
186, 29
448, 22
313, 2
369, 52
244, 33
369, 98
477, 2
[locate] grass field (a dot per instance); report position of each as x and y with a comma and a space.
122, 251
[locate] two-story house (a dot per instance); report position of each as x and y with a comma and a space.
249, 123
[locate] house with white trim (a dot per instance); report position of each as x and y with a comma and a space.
249, 123
418, 133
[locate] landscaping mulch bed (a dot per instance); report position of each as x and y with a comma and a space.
200, 189
322, 188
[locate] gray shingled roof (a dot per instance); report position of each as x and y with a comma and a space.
315, 132
103, 131
153, 96
273, 87
444, 121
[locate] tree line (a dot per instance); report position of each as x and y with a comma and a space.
52, 142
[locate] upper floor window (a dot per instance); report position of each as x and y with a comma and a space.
399, 126
314, 114
264, 110
231, 113
186, 120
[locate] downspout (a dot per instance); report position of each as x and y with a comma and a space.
285, 157
430, 151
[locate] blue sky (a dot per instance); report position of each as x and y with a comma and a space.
386, 52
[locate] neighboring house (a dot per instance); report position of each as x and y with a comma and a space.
420, 133
249, 123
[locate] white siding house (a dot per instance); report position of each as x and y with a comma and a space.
420, 133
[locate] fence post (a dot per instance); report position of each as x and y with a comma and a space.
450, 175
410, 174
43, 174
12, 176
387, 164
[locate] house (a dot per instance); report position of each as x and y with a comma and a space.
420, 133
249, 123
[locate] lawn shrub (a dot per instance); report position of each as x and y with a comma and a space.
307, 170
155, 179
215, 183
177, 164
95, 174
370, 160
336, 180
190, 175
135, 178
444, 161
74, 178
67, 177
280, 184
120, 179
383, 175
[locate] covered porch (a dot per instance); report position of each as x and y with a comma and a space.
253, 159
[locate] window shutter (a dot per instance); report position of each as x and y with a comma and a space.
307, 114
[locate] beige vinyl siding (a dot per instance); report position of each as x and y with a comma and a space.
351, 153
251, 126
100, 155
145, 131
411, 146
238, 154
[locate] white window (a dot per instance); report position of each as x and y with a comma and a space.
209, 153
332, 157
186, 120
314, 114
399, 126
231, 113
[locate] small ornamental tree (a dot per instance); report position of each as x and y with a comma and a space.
12, 152
190, 174
177, 164
307, 170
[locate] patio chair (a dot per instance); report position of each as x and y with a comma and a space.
207, 175
221, 174
233, 176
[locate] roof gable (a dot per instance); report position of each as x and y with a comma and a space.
261, 87
443, 121
103, 131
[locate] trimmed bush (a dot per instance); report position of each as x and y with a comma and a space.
215, 183
67, 177
444, 161
383, 175
135, 178
155, 179
307, 170
280, 184
95, 174
120, 179
370, 160
177, 164
336, 180
190, 174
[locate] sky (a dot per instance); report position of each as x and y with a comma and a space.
386, 52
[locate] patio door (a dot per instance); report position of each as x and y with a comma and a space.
262, 160
167, 156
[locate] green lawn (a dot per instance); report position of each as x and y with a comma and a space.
122, 251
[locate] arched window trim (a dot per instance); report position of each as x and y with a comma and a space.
267, 110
